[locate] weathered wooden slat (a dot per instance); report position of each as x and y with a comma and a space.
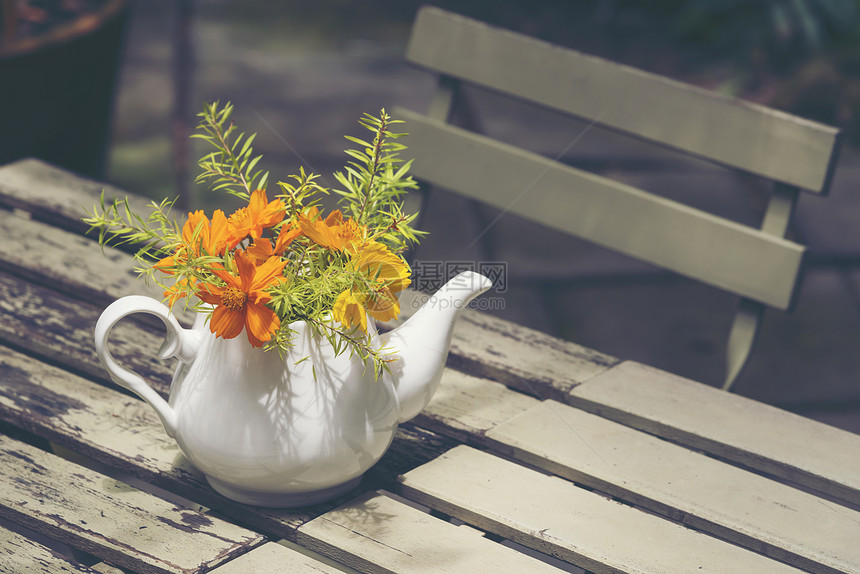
753, 511
55, 195
732, 132
273, 558
519, 357
125, 434
795, 448
716, 251
466, 407
555, 517
72, 263
45, 323
20, 555
377, 534
108, 518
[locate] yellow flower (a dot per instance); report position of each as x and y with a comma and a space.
377, 262
384, 275
349, 311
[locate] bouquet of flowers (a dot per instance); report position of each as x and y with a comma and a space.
281, 259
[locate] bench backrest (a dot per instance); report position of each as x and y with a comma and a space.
759, 265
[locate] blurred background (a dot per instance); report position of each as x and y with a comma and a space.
123, 90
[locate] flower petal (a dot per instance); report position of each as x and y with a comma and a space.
260, 250
246, 269
258, 201
285, 237
217, 233
209, 293
263, 213
196, 219
334, 218
348, 311
260, 321
267, 274
225, 275
255, 342
166, 264
226, 323
383, 305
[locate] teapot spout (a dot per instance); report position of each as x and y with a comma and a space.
421, 344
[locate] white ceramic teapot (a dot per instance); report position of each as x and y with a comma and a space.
279, 431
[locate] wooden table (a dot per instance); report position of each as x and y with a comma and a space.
536, 454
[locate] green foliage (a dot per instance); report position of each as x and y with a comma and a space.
304, 193
374, 183
230, 167
117, 224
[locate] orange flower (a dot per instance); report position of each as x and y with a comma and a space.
259, 214
179, 290
386, 274
333, 232
199, 236
262, 249
241, 303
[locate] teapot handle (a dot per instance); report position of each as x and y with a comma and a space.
178, 342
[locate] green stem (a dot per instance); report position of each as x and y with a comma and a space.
226, 149
377, 145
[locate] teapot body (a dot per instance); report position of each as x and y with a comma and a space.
280, 430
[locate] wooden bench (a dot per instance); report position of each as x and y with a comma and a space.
759, 265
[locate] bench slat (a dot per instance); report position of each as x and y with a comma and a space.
108, 518
19, 554
733, 132
378, 534
273, 558
52, 256
668, 234
709, 495
553, 516
751, 434
38, 320
55, 195
756, 435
